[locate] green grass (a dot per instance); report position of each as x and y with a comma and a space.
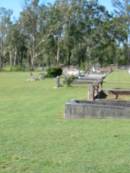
118, 79
35, 138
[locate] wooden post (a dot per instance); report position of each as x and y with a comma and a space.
96, 89
91, 92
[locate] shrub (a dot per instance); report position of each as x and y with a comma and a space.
54, 72
68, 80
17, 68
13, 68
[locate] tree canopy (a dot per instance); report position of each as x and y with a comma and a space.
69, 32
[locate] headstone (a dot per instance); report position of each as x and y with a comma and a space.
58, 82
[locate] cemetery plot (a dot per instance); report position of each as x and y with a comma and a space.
96, 105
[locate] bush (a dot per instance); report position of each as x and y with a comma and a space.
17, 68
54, 72
68, 80
13, 68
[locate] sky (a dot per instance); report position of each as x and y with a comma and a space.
17, 5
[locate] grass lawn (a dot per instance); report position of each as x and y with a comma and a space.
118, 79
35, 138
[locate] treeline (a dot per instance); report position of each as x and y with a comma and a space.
68, 32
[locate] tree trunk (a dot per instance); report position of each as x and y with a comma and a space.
32, 63
33, 53
1, 62
58, 55
10, 59
15, 58
69, 58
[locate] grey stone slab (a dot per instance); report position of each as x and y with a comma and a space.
97, 109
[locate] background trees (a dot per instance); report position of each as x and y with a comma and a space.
68, 32
122, 15
5, 24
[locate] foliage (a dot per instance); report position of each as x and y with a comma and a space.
68, 80
122, 13
66, 32
14, 68
54, 71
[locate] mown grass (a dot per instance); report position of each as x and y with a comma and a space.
118, 79
35, 138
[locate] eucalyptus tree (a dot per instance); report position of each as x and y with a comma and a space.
67, 32
29, 27
53, 33
121, 6
16, 44
5, 23
122, 11
84, 31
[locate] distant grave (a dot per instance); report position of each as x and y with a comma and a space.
95, 106
58, 82
94, 81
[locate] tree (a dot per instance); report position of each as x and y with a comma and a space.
69, 32
5, 23
29, 25
122, 11
16, 43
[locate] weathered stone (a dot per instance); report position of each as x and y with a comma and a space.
58, 82
97, 109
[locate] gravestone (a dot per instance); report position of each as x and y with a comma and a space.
76, 109
58, 84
